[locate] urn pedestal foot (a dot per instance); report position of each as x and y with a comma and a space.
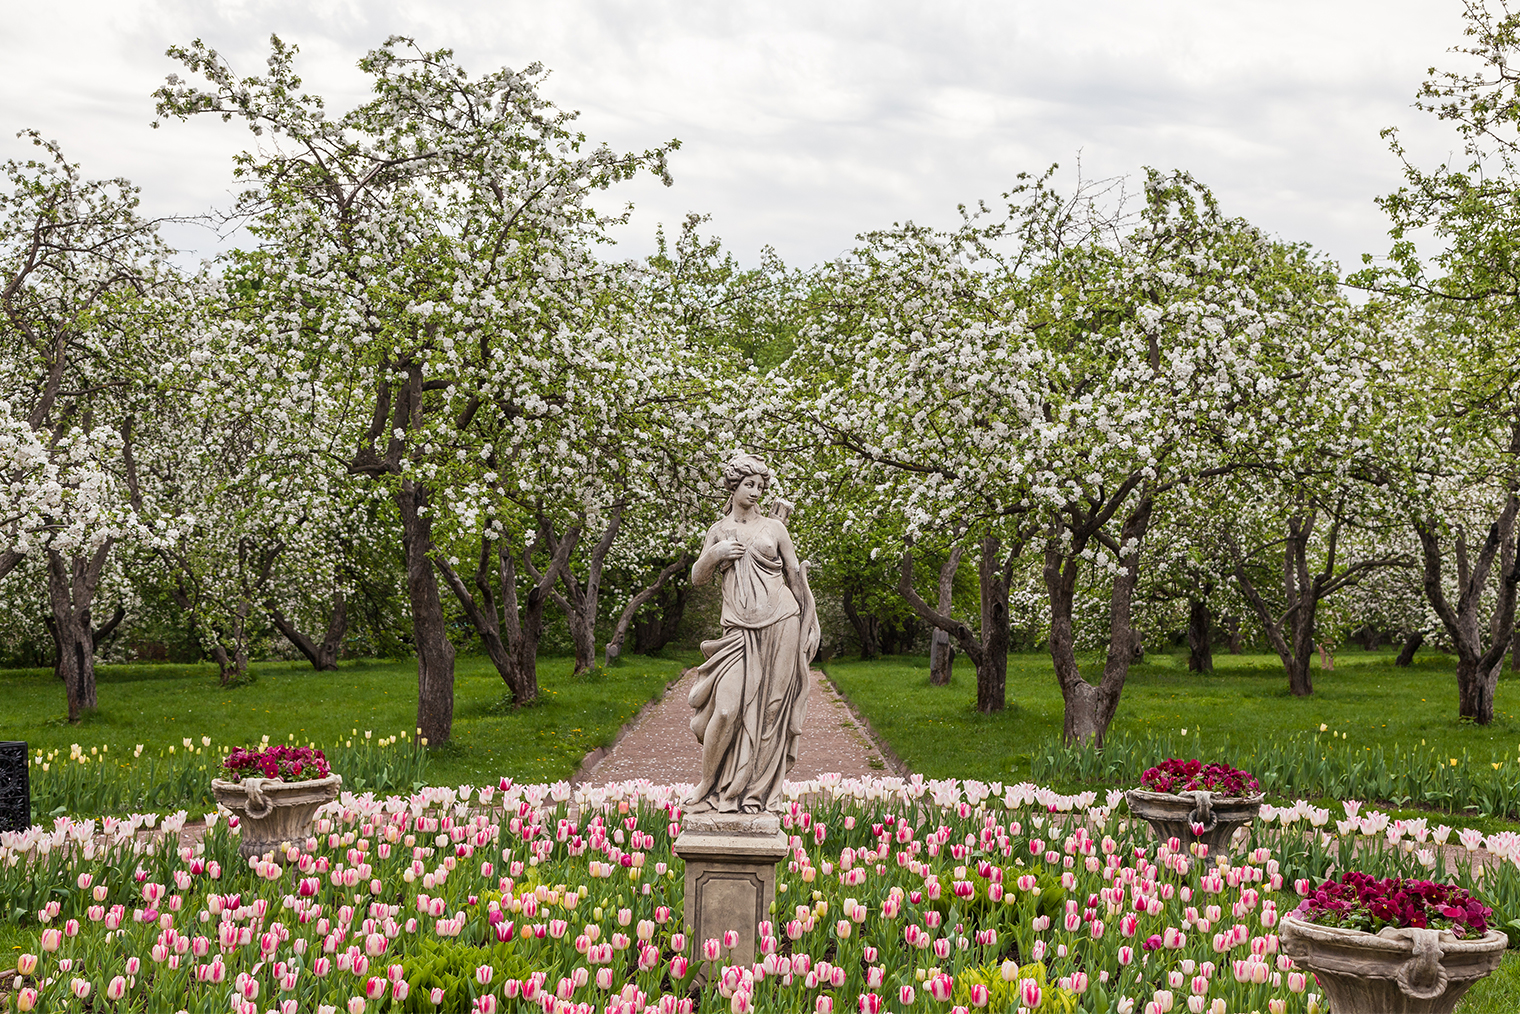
730, 878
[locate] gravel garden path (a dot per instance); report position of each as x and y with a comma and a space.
658, 744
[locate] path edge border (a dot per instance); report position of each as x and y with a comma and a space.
893, 762
590, 762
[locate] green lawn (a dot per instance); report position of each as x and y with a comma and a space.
1497, 994
936, 730
159, 705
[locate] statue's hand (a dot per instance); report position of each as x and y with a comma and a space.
728, 549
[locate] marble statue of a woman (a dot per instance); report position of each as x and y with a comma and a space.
751, 694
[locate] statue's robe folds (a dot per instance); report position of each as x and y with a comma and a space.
751, 693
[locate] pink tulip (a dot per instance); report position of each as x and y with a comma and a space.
1029, 993
52, 939
823, 1005
356, 1005
905, 996
117, 988
870, 1003
435, 995
979, 995
26, 999
26, 964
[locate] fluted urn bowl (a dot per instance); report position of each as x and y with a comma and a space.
1173, 815
271, 812
1392, 971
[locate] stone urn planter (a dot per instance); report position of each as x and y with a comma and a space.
1173, 815
271, 812
1393, 971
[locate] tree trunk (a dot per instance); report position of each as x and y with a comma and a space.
993, 575
654, 633
71, 592
1411, 645
233, 665
1514, 649
9, 560
1232, 631
1090, 708
941, 658
681, 564
989, 651
323, 657
1200, 637
104, 634
1477, 664
1475, 692
867, 628
435, 654
580, 601
510, 636
1292, 634
1326, 656
941, 650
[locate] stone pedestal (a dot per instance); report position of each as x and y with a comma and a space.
730, 877
1393, 971
1172, 815
271, 812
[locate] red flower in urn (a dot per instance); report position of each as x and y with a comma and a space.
287, 763
1363, 902
1176, 775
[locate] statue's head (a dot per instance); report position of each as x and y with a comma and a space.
741, 468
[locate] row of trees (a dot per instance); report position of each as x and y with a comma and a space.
424, 399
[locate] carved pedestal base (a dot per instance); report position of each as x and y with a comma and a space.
730, 877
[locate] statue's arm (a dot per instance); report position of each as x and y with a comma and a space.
795, 579
708, 560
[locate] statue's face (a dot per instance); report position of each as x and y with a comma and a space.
748, 493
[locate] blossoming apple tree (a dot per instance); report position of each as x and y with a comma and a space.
1458, 462
429, 253
89, 309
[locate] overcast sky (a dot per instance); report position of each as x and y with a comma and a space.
804, 123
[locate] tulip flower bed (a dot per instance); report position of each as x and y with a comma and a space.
898, 895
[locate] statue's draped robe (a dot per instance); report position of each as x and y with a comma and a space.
751, 693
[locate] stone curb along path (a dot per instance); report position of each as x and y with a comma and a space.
658, 745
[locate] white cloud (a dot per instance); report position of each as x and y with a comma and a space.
804, 123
